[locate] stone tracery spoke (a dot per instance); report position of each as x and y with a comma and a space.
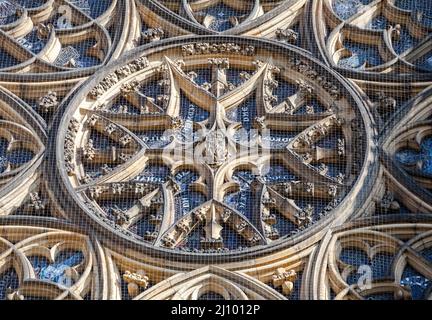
216, 149
198, 186
385, 23
59, 261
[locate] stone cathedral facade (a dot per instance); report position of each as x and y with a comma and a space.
213, 149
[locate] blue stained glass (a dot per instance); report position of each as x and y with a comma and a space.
424, 7
93, 8
335, 168
191, 112
315, 104
283, 225
211, 296
20, 156
278, 173
345, 9
122, 105
56, 271
425, 62
361, 54
95, 171
85, 60
410, 157
420, 9
101, 141
381, 296
185, 178
405, 42
8, 11
155, 139
427, 254
378, 23
353, 257
142, 226
405, 4
30, 3
278, 139
233, 76
242, 200
194, 239
317, 204
32, 42
156, 174
3, 154
417, 283
110, 207
151, 89
245, 113
380, 264
187, 201
232, 240
427, 152
203, 76
330, 141
407, 157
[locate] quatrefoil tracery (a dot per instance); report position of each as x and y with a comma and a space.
376, 36
54, 36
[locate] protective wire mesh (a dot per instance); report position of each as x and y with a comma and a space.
215, 150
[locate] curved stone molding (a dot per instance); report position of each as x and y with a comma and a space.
370, 260
191, 204
22, 140
46, 263
214, 149
210, 281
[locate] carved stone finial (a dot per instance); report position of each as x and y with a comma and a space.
120, 216
89, 152
12, 294
44, 30
388, 202
48, 103
221, 63
261, 122
136, 281
36, 203
129, 88
385, 103
177, 123
305, 90
305, 216
341, 147
287, 35
152, 34
284, 278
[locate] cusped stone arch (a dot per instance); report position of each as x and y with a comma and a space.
155, 86
47, 263
214, 280
23, 140
369, 260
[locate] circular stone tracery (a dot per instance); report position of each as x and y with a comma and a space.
214, 144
